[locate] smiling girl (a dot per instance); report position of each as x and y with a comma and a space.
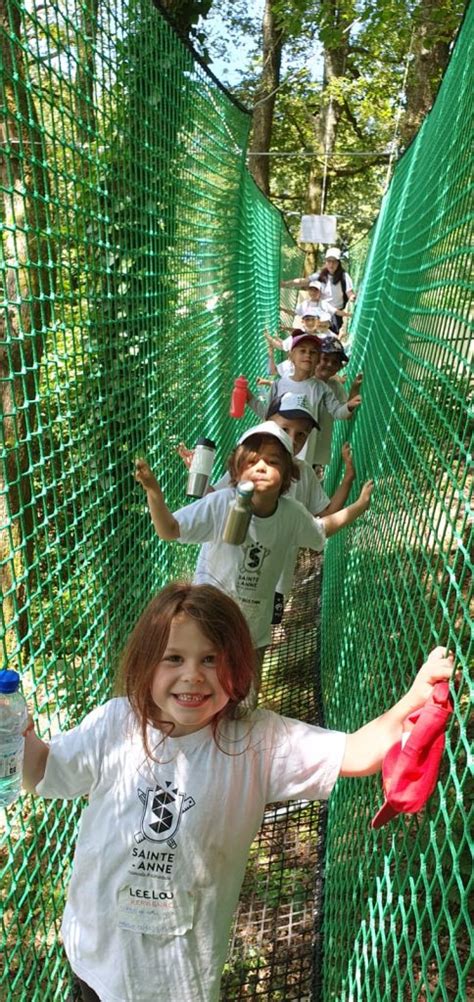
178, 777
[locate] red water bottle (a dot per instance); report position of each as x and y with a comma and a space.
239, 397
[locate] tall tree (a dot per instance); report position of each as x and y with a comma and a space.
434, 25
345, 122
266, 95
84, 79
28, 278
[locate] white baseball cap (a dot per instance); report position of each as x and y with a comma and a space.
333, 252
316, 285
268, 428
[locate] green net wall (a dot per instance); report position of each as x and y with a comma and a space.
396, 918
139, 265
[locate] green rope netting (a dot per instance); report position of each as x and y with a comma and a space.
399, 583
140, 265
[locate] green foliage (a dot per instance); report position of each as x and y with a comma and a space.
372, 42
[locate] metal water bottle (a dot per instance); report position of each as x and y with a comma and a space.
201, 467
239, 514
13, 719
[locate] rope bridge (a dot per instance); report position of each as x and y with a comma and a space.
140, 265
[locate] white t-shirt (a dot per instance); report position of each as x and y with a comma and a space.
319, 396
248, 573
309, 491
331, 292
322, 449
318, 309
162, 847
285, 368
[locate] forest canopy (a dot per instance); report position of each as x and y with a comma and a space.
338, 89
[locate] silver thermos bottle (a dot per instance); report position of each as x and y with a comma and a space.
239, 514
201, 467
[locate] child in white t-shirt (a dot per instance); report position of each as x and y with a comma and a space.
250, 572
331, 361
304, 354
293, 415
337, 288
177, 779
313, 305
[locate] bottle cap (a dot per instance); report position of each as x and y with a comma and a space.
245, 488
9, 680
206, 441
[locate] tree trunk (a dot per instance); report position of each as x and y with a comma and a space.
272, 45
326, 124
27, 279
430, 56
85, 74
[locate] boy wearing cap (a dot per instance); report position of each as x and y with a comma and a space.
304, 354
332, 359
249, 573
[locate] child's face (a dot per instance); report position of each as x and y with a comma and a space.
298, 430
314, 294
327, 365
185, 686
265, 468
304, 358
310, 324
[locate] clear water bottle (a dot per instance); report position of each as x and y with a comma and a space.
239, 514
13, 719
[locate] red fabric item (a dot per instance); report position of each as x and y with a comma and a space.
410, 772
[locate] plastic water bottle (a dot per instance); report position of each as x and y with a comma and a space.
238, 399
239, 514
13, 719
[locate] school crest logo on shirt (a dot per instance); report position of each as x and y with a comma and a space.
254, 556
163, 807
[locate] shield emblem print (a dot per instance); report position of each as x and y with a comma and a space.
162, 813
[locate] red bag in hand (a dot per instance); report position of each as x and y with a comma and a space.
410, 768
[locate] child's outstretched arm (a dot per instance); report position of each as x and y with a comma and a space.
164, 521
272, 341
35, 758
340, 412
295, 283
367, 747
346, 516
354, 402
355, 386
340, 495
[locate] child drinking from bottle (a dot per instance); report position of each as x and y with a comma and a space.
292, 413
250, 572
178, 778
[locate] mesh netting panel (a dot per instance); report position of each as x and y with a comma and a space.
139, 264
399, 583
275, 945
